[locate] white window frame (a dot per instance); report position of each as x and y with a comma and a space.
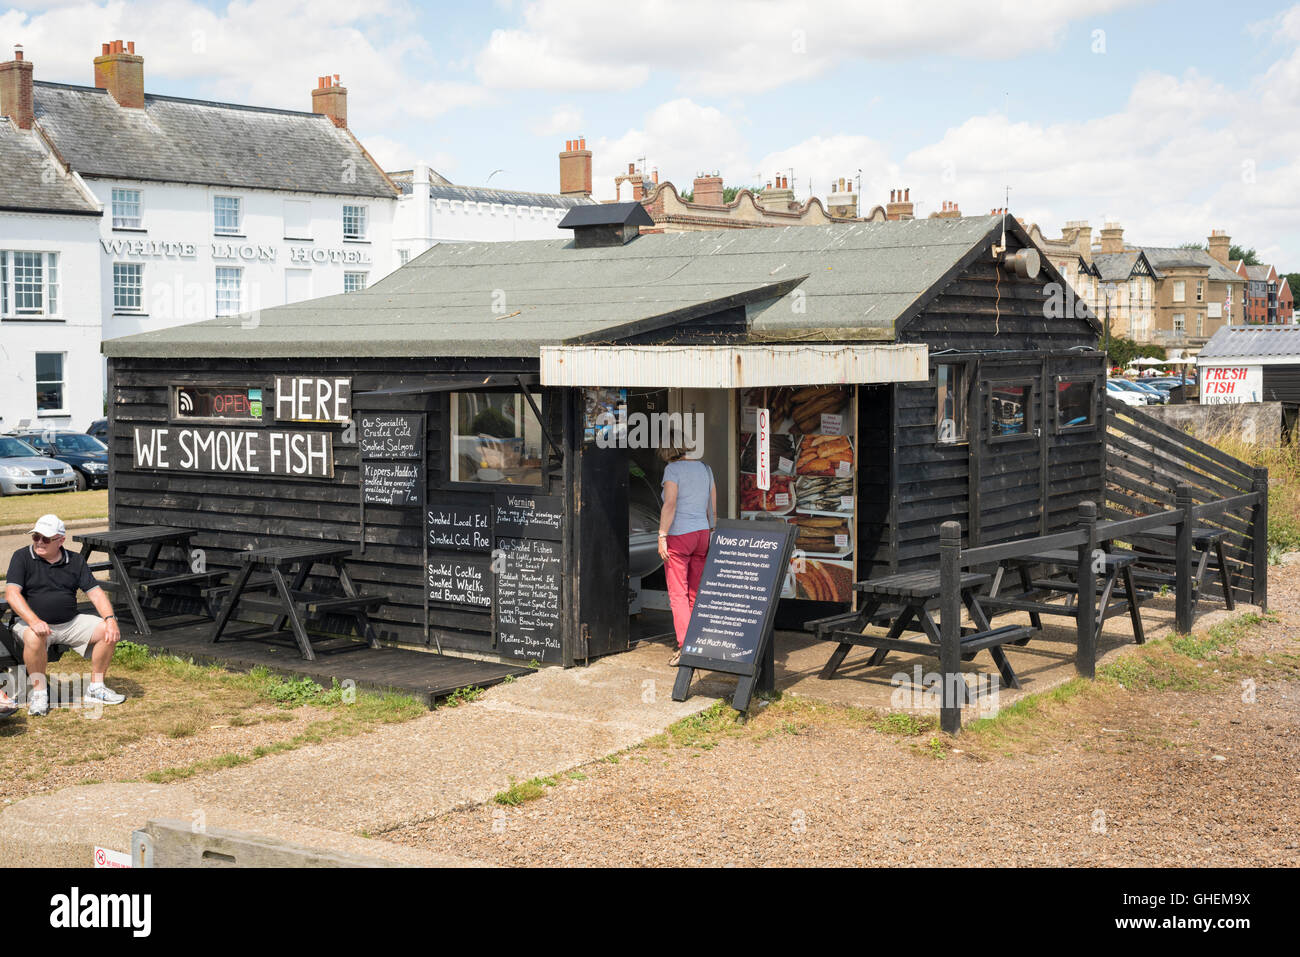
62, 380
1200, 290
1180, 322
221, 286
49, 284
1180, 290
403, 257
119, 196
361, 213
138, 268
239, 216
353, 277
303, 232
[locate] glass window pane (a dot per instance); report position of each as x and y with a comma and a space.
950, 383
1008, 409
1073, 404
354, 222
225, 211
126, 209
229, 292
128, 286
496, 439
49, 381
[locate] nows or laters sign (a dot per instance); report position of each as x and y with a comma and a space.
235, 451
313, 399
390, 435
392, 483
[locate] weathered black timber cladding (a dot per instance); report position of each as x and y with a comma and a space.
999, 328
875, 533
234, 512
1281, 383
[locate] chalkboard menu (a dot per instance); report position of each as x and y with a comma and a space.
731, 624
528, 599
392, 483
462, 527
460, 581
390, 435
529, 516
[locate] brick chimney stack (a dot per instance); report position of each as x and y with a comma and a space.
330, 98
949, 211
1220, 244
1112, 238
900, 204
708, 190
842, 200
121, 72
575, 168
16, 91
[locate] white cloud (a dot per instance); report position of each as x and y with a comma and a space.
563, 120
722, 46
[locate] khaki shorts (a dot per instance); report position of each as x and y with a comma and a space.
75, 634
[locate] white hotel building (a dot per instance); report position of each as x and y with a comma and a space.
124, 212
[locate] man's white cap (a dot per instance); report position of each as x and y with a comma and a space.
49, 526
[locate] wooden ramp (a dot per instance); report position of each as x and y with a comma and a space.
419, 674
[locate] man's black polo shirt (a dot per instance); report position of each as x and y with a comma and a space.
51, 590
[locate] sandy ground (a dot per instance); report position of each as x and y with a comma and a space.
1114, 777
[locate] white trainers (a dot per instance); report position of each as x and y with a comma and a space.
38, 703
103, 694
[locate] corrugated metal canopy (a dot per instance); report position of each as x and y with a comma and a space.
509, 299
1276, 345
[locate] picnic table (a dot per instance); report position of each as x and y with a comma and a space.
916, 593
136, 578
281, 572
1039, 594
1206, 542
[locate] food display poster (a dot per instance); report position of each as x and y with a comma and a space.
811, 483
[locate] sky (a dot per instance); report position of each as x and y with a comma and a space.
1172, 118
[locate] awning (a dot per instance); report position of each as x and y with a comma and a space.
733, 366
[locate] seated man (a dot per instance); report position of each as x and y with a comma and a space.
42, 591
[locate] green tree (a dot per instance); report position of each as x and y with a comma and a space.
1123, 351
1248, 256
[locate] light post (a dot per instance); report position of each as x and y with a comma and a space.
1110, 291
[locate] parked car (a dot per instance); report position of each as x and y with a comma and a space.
83, 452
24, 470
1124, 395
99, 429
1125, 385
1146, 386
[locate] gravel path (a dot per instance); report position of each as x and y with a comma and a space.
1114, 777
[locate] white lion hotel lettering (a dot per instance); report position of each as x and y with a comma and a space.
238, 451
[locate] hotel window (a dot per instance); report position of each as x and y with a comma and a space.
230, 292
403, 257
127, 209
495, 439
1179, 322
1200, 323
1180, 290
1200, 290
297, 219
354, 222
225, 215
354, 281
950, 399
49, 382
29, 284
128, 287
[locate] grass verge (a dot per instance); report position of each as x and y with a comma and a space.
69, 506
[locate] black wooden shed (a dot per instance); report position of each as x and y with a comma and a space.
464, 420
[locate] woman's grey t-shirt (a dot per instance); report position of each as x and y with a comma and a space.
694, 482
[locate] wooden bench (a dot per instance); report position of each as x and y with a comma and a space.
1205, 541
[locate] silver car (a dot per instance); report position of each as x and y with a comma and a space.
24, 470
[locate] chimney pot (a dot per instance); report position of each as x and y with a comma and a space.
120, 71
330, 98
582, 143
907, 194
16, 91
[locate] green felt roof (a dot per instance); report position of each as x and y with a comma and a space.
839, 282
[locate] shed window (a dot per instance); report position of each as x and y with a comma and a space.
1074, 404
1010, 409
950, 399
495, 439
